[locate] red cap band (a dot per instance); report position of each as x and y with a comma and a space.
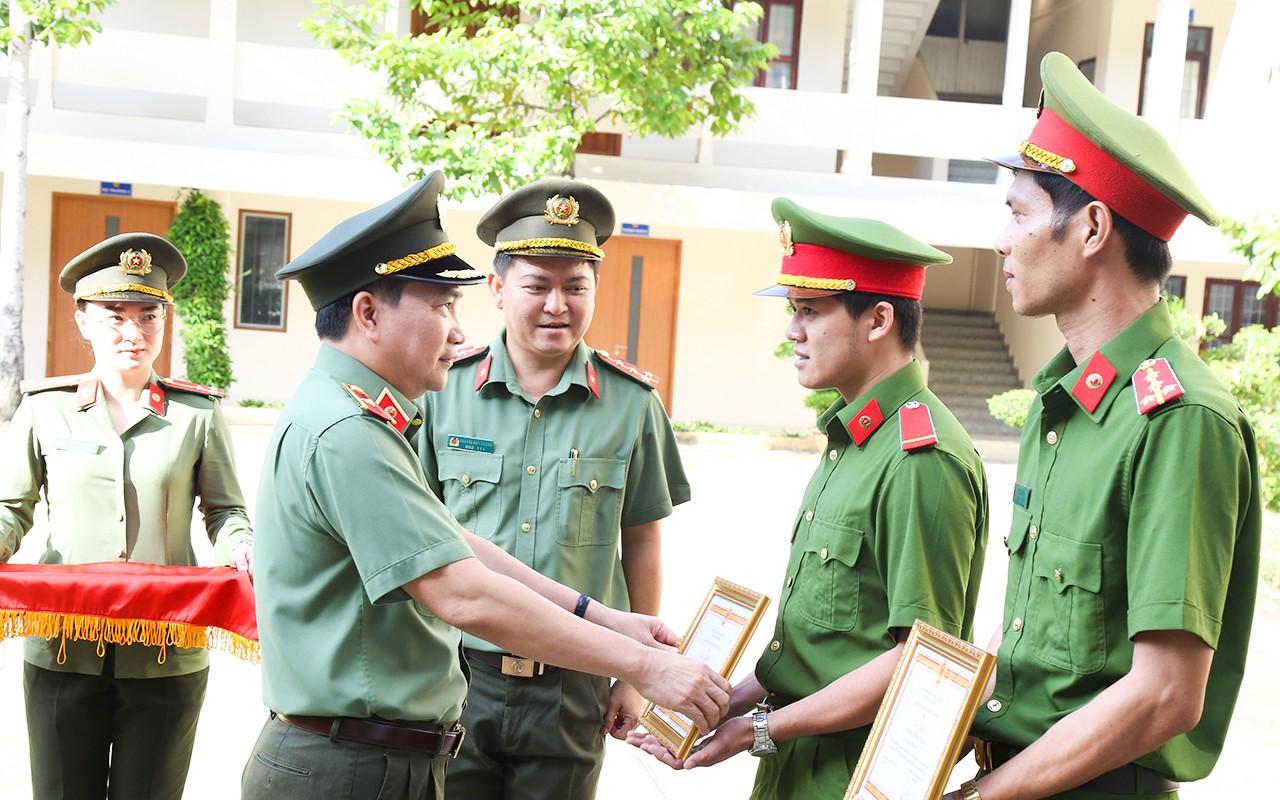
816, 267
1107, 179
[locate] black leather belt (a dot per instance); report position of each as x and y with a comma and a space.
382, 733
514, 666
1128, 779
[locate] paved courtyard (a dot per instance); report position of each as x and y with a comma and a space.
737, 527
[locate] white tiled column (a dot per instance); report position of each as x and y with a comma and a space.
1015, 53
1163, 90
864, 75
221, 103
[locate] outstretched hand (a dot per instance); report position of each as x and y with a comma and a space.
686, 685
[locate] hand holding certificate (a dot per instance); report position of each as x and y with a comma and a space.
717, 637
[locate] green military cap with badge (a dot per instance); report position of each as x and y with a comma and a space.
1113, 155
558, 217
825, 255
130, 267
405, 237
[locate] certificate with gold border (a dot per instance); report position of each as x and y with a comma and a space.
716, 637
924, 718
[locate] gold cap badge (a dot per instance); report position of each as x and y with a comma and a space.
135, 262
784, 239
561, 210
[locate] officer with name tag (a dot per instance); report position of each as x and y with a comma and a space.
892, 527
364, 577
563, 456
1133, 552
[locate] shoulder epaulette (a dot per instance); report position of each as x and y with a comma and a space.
469, 353
1155, 384
633, 372
915, 425
37, 385
194, 388
366, 402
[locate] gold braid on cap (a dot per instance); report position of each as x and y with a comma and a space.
1050, 160
800, 281
124, 287
414, 259
549, 242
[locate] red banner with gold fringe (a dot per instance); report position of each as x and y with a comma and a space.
148, 604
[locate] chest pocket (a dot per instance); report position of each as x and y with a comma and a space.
829, 582
590, 501
1066, 608
472, 489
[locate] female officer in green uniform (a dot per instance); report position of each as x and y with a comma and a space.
119, 455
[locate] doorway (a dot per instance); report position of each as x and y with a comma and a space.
79, 222
636, 306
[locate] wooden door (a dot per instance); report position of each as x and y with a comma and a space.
79, 222
635, 315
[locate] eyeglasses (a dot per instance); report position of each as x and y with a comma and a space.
148, 324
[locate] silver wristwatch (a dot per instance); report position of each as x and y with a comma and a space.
762, 745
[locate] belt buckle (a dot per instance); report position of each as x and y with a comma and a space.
521, 667
982, 754
457, 743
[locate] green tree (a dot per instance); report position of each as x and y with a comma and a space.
25, 24
500, 92
1258, 240
203, 235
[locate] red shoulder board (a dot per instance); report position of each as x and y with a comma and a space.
468, 353
194, 388
37, 385
916, 426
866, 422
1154, 384
627, 368
366, 403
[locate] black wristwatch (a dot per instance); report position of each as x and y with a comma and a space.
762, 746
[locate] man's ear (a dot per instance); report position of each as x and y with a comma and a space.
880, 319
1097, 228
365, 315
495, 288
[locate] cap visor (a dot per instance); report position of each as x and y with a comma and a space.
551, 252
778, 290
1019, 161
450, 270
126, 297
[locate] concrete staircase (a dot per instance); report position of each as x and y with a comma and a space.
968, 362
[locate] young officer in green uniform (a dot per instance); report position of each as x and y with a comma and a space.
564, 457
363, 574
1136, 521
121, 457
892, 527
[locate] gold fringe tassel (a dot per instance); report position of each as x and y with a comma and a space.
152, 633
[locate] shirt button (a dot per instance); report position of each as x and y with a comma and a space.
1035, 532
994, 706
823, 554
466, 480
593, 485
1017, 623
832, 455
526, 527
1057, 575
808, 516
416, 423
537, 412
1051, 437
775, 646
531, 469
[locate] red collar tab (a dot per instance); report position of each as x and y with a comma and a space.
399, 419
482, 372
155, 398
1094, 382
865, 422
633, 372
812, 266
86, 393
1089, 167
1154, 384
366, 402
593, 380
915, 423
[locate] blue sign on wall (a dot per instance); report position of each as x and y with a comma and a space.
634, 229
116, 189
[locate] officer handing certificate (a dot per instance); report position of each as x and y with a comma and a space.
718, 635
924, 719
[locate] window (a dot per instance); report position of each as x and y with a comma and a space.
1237, 303
780, 26
1176, 286
1195, 73
264, 248
984, 21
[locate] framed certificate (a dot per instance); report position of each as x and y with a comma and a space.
718, 635
924, 718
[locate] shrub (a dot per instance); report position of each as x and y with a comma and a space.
202, 234
1011, 407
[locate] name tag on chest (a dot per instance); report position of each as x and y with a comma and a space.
470, 443
77, 445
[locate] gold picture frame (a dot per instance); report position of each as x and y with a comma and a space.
924, 718
717, 637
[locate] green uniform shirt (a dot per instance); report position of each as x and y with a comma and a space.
505, 465
345, 520
1127, 522
884, 537
119, 496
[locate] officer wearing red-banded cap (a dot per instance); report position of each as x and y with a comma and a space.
892, 527
1136, 518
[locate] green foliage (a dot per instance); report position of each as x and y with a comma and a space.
1192, 329
1258, 241
501, 92
202, 234
1249, 366
63, 22
1011, 407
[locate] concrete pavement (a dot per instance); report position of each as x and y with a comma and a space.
737, 527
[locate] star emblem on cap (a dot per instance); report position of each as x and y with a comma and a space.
784, 239
444, 220
561, 210
135, 262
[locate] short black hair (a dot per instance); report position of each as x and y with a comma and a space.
906, 313
332, 320
1148, 256
502, 261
